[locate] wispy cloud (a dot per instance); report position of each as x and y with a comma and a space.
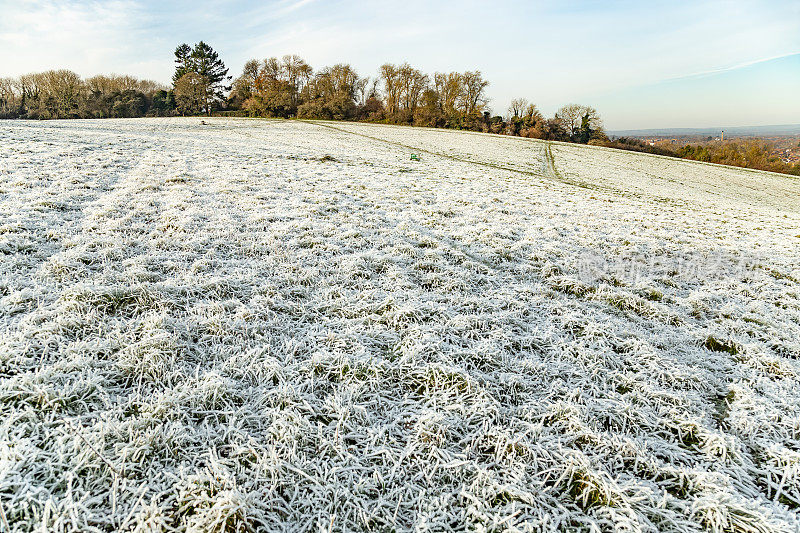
731, 68
291, 6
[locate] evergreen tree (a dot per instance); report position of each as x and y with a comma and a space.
183, 62
164, 102
208, 65
585, 131
205, 62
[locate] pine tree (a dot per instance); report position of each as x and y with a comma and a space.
205, 62
183, 62
585, 132
208, 64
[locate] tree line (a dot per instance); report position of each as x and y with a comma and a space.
399, 94
63, 94
197, 86
749, 153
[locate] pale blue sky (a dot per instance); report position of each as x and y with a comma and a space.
642, 64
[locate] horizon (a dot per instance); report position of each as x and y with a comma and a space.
729, 65
729, 128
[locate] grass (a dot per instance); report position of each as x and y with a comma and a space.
292, 333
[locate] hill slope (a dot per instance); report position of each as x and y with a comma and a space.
288, 325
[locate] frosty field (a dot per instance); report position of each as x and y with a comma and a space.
288, 326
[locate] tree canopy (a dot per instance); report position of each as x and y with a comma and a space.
206, 63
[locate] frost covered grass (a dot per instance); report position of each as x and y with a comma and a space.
267, 325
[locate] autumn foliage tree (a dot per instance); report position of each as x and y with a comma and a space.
191, 91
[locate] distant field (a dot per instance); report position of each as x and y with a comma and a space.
272, 325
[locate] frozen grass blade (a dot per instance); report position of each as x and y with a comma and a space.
286, 326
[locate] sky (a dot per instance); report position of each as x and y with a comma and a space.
651, 64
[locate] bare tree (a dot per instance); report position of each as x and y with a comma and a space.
274, 87
412, 83
473, 98
9, 101
113, 83
343, 80
592, 118
517, 107
390, 76
297, 73
569, 116
63, 89
532, 115
332, 93
363, 90
572, 117
150, 87
272, 69
245, 85
450, 87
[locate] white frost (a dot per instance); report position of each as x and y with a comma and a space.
216, 327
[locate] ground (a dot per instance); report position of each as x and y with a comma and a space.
282, 325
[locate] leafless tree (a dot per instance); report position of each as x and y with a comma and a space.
571, 117
390, 76
517, 107
9, 100
245, 85
449, 87
297, 73
108, 84
473, 97
412, 83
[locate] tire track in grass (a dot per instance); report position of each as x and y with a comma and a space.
547, 160
550, 174
550, 163
550, 171
501, 271
52, 211
424, 232
479, 389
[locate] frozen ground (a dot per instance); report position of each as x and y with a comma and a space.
265, 325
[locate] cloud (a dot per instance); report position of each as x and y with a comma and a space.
737, 66
290, 6
88, 37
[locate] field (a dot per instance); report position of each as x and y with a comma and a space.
272, 325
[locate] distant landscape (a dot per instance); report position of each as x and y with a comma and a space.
778, 143
776, 130
766, 151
